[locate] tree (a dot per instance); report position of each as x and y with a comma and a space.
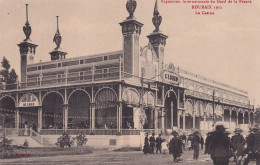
65, 140
8, 77
80, 139
5, 145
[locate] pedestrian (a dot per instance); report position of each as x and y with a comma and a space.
152, 143
176, 144
159, 141
164, 146
183, 138
207, 143
196, 145
146, 144
220, 146
201, 142
238, 141
257, 141
169, 142
250, 149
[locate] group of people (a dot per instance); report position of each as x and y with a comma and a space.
219, 144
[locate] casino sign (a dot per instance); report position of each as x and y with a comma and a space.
170, 77
29, 100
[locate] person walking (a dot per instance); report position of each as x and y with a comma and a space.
184, 139
169, 142
146, 144
196, 145
201, 142
238, 141
257, 141
159, 141
152, 143
207, 143
176, 144
220, 146
250, 149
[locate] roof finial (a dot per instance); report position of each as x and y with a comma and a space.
130, 7
57, 37
27, 28
157, 19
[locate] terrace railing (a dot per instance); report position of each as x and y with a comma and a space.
217, 99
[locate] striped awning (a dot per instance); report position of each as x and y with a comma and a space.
148, 99
105, 98
130, 97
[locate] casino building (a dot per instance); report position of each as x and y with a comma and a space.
122, 92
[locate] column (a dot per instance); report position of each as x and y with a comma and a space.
40, 119
92, 107
204, 119
65, 116
230, 119
237, 119
183, 120
17, 117
156, 118
194, 118
120, 109
243, 117
223, 116
163, 120
179, 119
249, 122
93, 116
171, 114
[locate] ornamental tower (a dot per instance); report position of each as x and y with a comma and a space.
57, 54
131, 30
27, 49
157, 39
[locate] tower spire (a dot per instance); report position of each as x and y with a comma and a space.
157, 19
57, 37
57, 54
27, 28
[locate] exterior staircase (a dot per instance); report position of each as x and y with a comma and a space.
19, 136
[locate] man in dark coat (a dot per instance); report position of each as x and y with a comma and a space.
152, 143
220, 146
176, 144
238, 141
250, 149
196, 145
207, 143
146, 144
159, 141
257, 143
201, 142
184, 139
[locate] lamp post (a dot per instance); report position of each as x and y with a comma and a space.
213, 124
142, 100
3, 151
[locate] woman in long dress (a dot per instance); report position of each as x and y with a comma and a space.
146, 144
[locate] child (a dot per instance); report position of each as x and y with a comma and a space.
164, 146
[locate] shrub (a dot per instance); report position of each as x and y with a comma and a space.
65, 140
80, 139
5, 143
26, 144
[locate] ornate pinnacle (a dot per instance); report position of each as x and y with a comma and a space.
130, 7
27, 28
157, 19
57, 37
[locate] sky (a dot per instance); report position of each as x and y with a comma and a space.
224, 47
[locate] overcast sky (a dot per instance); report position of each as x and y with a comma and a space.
224, 47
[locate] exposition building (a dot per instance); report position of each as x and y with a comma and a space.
121, 93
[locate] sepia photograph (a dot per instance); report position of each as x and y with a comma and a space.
130, 82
